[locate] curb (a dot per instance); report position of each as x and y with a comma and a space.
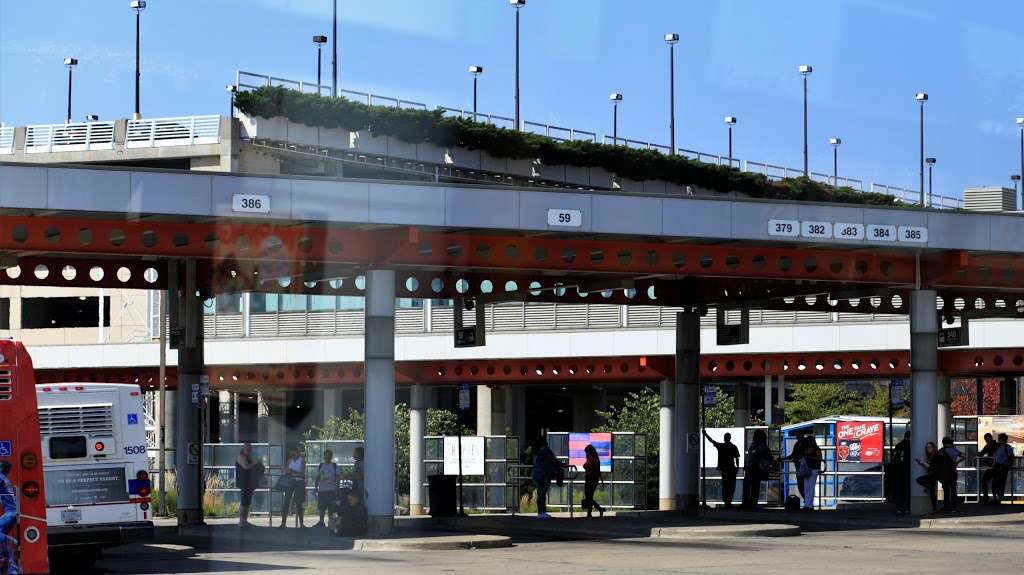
726, 531
449, 543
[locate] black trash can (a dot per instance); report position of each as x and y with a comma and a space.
441, 490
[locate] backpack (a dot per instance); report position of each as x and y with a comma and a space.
1010, 456
945, 467
792, 504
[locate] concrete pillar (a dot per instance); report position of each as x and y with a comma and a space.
483, 410
741, 414
924, 361
227, 411
1008, 396
943, 415
768, 403
262, 418
170, 428
666, 447
498, 411
379, 343
187, 315
515, 413
688, 408
331, 403
781, 399
417, 431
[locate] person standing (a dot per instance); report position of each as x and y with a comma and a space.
728, 464
293, 486
756, 468
986, 462
592, 476
248, 474
545, 468
1002, 459
326, 485
901, 475
948, 478
931, 473
810, 468
795, 456
358, 474
8, 521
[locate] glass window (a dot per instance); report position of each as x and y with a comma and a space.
229, 303
293, 302
263, 303
441, 303
409, 303
350, 302
322, 303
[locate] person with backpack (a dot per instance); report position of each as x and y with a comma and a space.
248, 476
950, 457
326, 485
986, 462
545, 468
728, 463
795, 455
930, 478
810, 468
901, 475
757, 466
1002, 459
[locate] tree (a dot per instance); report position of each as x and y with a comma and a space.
721, 413
639, 413
813, 400
965, 396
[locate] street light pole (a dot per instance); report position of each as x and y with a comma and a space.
931, 164
231, 89
921, 98
475, 71
671, 40
730, 121
805, 71
615, 97
334, 51
835, 160
1020, 124
319, 40
138, 6
70, 63
1015, 178
517, 4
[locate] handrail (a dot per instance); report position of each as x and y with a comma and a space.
6, 139
771, 171
180, 131
80, 136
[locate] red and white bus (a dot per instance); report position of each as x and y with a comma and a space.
23, 523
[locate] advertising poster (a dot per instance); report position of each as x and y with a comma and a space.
602, 442
86, 486
1011, 425
472, 455
860, 441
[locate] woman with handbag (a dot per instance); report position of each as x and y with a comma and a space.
293, 485
810, 468
592, 475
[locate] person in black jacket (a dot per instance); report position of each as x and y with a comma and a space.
985, 462
795, 455
756, 468
728, 463
901, 475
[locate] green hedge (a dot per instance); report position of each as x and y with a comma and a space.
415, 126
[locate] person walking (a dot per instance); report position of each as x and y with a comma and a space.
728, 464
592, 476
293, 486
756, 468
545, 469
796, 454
930, 478
986, 462
326, 485
951, 459
1002, 461
248, 476
810, 468
901, 475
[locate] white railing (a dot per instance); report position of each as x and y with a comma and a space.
182, 131
69, 137
6, 139
249, 80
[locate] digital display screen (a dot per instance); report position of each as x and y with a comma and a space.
602, 442
72, 447
85, 486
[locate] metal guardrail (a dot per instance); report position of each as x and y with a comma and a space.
252, 81
75, 137
6, 139
181, 131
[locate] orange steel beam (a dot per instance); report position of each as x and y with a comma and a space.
403, 247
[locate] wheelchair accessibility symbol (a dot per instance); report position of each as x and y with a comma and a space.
6, 449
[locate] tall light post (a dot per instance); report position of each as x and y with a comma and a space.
805, 71
475, 71
730, 121
1015, 178
231, 89
921, 98
836, 142
70, 63
671, 40
931, 165
1020, 124
615, 98
517, 4
334, 51
138, 6
319, 40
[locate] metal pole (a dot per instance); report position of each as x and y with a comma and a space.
318, 60
138, 74
1021, 204
835, 166
672, 100
730, 146
930, 167
517, 70
474, 98
68, 121
806, 171
163, 401
615, 123
922, 154
334, 49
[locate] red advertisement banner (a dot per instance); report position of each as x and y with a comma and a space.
859, 441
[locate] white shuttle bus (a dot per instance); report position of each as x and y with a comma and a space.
95, 466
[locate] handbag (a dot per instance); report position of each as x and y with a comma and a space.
805, 470
284, 483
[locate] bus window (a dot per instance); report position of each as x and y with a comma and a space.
68, 447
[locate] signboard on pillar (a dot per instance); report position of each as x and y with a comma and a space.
954, 336
465, 398
897, 395
709, 396
692, 442
474, 335
732, 334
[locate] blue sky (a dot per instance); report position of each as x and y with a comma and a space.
736, 57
